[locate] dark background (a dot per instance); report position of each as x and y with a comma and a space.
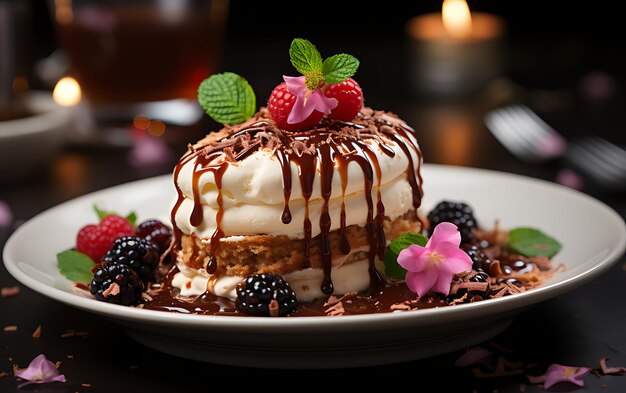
551, 50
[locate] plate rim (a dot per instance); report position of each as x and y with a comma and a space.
138, 315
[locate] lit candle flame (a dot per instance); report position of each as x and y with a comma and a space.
67, 92
457, 19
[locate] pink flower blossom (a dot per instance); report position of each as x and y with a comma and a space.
433, 266
557, 373
306, 101
40, 370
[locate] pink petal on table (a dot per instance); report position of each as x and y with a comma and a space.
552, 146
472, 356
558, 373
569, 178
421, 282
40, 370
6, 216
148, 151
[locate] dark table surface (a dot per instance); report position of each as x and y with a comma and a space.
576, 328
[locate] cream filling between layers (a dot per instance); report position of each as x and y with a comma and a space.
353, 277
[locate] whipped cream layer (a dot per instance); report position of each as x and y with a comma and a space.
253, 198
306, 283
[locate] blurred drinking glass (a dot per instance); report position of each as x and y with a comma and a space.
138, 56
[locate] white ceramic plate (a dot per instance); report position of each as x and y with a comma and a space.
593, 237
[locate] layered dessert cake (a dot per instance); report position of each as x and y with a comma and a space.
307, 206
315, 206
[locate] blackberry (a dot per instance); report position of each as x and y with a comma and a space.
155, 232
128, 286
480, 261
457, 213
256, 292
480, 276
139, 254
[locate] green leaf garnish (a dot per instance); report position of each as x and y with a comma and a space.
305, 57
392, 269
228, 98
531, 242
75, 266
101, 213
131, 217
340, 67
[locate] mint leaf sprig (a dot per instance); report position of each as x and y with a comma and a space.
531, 242
75, 266
228, 98
307, 60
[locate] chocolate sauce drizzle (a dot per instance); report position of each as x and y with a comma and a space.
333, 143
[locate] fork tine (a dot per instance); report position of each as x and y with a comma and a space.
607, 148
592, 161
582, 159
501, 128
603, 159
547, 142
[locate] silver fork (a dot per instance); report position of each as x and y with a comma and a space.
601, 160
525, 134
528, 137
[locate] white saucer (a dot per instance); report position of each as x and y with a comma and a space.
592, 234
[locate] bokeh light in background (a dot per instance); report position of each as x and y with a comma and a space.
67, 92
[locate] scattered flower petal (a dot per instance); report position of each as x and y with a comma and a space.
433, 266
306, 101
148, 151
472, 356
6, 216
569, 178
606, 370
558, 373
40, 370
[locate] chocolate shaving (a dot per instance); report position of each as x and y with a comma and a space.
274, 308
335, 310
9, 291
74, 333
113, 289
406, 305
71, 357
606, 370
332, 300
37, 332
146, 297
85, 385
10, 328
4, 374
536, 379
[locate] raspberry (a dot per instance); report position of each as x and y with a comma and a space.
256, 292
95, 240
350, 97
155, 232
280, 105
137, 253
457, 213
117, 284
